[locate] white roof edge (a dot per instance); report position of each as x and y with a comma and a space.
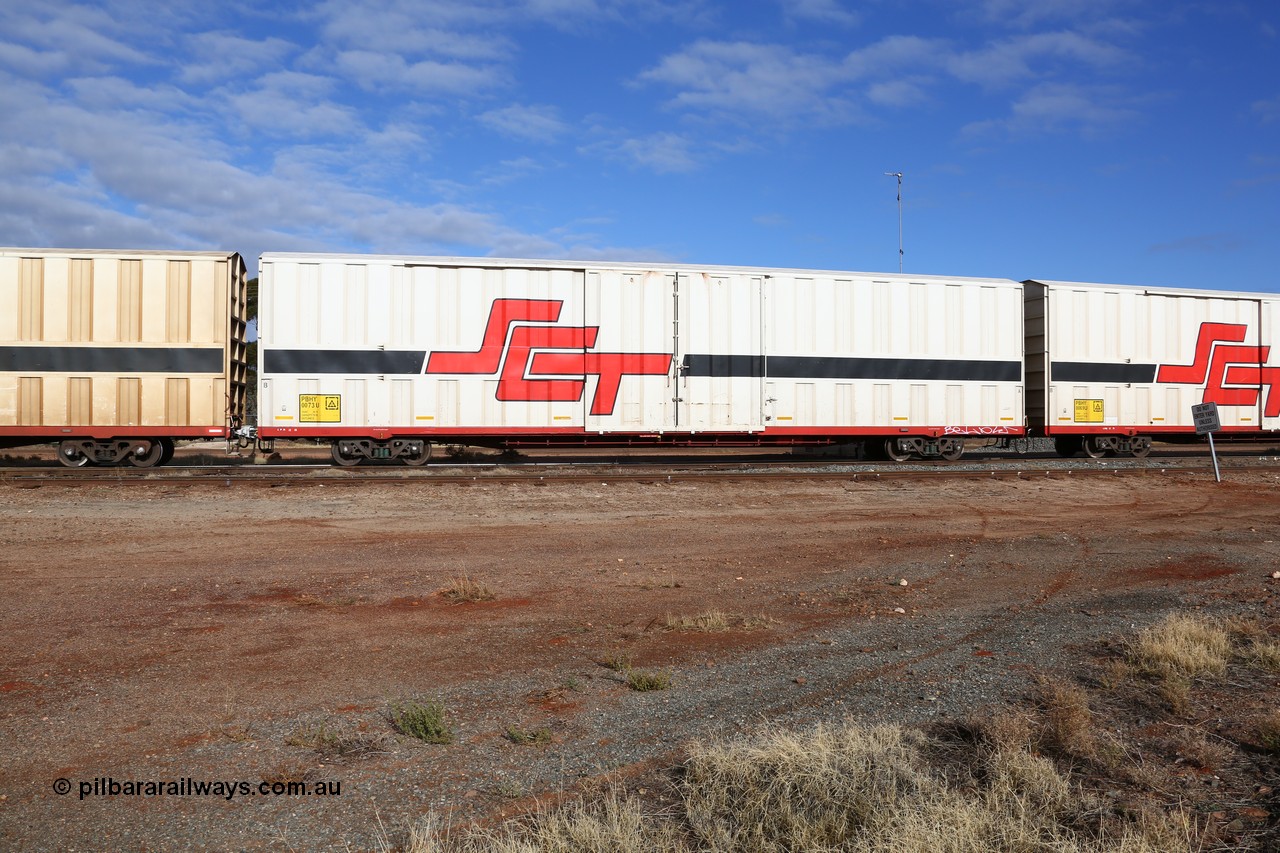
1158, 291
441, 260
29, 251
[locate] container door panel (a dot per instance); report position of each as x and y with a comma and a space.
630, 368
718, 342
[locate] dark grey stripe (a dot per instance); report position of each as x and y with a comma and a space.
1087, 372
117, 359
318, 361
824, 367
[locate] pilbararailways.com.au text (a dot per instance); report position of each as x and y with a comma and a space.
106, 786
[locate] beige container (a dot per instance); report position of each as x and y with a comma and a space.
110, 344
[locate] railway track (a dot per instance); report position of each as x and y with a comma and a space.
273, 475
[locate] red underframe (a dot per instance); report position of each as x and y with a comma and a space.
106, 432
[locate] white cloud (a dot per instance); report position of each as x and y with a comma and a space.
821, 11
1013, 61
218, 56
662, 152
291, 104
539, 123
1267, 110
1055, 107
750, 79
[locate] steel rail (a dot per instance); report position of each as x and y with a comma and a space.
282, 475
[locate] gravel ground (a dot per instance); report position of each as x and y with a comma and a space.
165, 632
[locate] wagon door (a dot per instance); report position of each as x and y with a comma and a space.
629, 365
717, 344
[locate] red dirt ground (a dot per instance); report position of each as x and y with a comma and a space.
164, 632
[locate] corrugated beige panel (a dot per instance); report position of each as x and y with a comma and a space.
208, 294
31, 300
178, 302
80, 300
128, 402
79, 401
129, 306
210, 404
30, 401
154, 401
9, 281
106, 272
155, 301
56, 284
177, 395
104, 401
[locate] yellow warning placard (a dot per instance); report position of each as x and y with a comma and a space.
319, 408
1088, 411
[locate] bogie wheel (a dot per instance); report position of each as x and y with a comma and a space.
421, 458
894, 452
70, 455
146, 454
953, 451
1140, 447
167, 455
1067, 446
342, 458
1093, 448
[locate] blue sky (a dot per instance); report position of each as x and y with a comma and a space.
1096, 140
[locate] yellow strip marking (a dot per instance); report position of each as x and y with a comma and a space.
785, 418
562, 417
425, 418
1006, 419
902, 419
284, 417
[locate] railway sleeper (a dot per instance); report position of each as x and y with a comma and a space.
353, 451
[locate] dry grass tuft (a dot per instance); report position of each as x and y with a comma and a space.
713, 621
465, 590
335, 742
1269, 733
1183, 646
616, 661
877, 789
525, 737
643, 682
1065, 722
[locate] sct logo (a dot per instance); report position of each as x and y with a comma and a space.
543, 362
1233, 373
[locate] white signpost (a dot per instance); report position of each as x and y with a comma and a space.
1205, 416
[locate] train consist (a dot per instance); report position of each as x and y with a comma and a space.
115, 355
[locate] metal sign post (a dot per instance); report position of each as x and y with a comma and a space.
1205, 416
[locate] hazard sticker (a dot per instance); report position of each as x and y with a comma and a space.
319, 408
1088, 412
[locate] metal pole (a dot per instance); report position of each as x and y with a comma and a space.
898, 175
1217, 476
